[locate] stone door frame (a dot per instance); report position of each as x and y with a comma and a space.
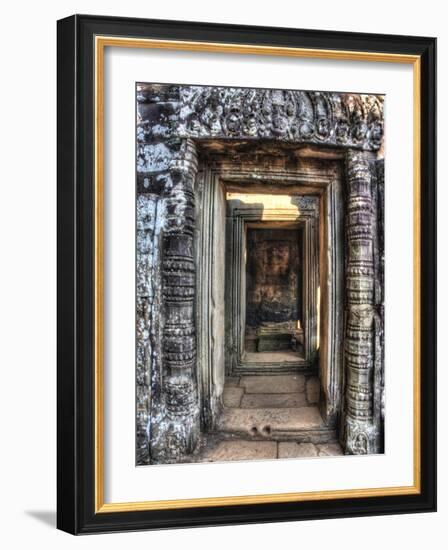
305, 180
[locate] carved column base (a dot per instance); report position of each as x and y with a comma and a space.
361, 437
176, 435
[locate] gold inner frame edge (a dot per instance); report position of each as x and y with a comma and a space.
100, 43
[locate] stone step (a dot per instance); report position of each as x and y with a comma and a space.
294, 383
303, 424
272, 400
218, 450
234, 397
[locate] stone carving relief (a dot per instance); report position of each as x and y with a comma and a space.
351, 120
315, 117
361, 432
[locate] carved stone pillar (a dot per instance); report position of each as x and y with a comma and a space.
175, 425
360, 432
167, 403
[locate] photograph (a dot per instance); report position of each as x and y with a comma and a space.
259, 273
223, 237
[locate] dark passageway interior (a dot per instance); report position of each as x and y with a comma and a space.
273, 291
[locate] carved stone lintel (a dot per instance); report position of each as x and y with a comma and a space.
329, 118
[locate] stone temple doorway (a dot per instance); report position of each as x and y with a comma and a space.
259, 287
269, 355
272, 393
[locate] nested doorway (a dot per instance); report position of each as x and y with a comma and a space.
270, 303
273, 296
272, 281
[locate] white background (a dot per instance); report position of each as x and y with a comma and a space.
124, 482
28, 241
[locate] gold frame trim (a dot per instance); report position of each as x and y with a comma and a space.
101, 42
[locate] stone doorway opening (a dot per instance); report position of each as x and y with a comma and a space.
273, 331
268, 374
272, 280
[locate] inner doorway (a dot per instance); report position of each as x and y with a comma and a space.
272, 390
272, 282
266, 284
274, 258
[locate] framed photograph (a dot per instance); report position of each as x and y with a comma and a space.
246, 274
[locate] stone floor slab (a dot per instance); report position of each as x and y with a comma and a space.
273, 400
232, 396
269, 422
285, 383
240, 450
291, 449
271, 357
329, 449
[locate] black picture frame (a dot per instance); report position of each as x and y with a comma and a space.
76, 510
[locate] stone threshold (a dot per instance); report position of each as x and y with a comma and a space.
303, 424
216, 449
317, 436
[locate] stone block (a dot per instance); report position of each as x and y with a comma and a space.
329, 449
293, 383
274, 400
240, 450
278, 342
232, 396
267, 357
269, 423
291, 449
313, 390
